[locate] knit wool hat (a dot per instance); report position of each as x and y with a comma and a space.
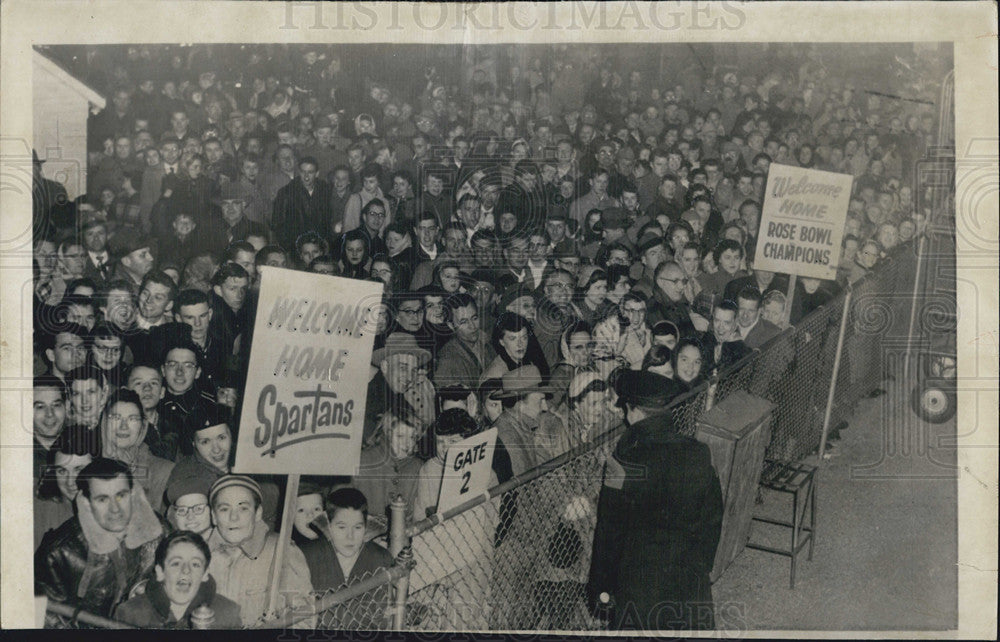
196, 483
242, 481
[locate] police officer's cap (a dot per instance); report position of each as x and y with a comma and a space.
646, 389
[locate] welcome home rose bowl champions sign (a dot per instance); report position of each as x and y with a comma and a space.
304, 402
802, 221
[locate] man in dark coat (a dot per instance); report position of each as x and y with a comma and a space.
302, 205
659, 518
97, 556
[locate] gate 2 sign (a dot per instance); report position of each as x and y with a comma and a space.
802, 221
467, 468
304, 402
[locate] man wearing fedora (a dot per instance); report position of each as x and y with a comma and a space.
659, 517
525, 428
400, 383
242, 205
134, 252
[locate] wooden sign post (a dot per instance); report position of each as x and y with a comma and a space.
307, 385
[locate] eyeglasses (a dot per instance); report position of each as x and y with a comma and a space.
132, 420
412, 312
682, 280
197, 509
108, 350
173, 365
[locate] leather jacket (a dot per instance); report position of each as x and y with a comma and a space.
66, 570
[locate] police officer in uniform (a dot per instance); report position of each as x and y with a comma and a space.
659, 518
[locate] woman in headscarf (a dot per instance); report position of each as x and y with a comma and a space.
355, 259
590, 414
575, 350
516, 345
123, 434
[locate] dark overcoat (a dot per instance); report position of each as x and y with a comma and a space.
658, 526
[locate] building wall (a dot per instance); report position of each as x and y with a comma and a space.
60, 129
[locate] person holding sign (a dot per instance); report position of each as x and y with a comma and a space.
453, 426
243, 551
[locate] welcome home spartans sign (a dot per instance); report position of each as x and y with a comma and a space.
304, 402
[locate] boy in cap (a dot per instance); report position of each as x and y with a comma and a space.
660, 507
243, 552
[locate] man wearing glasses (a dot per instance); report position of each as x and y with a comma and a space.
181, 368
373, 222
668, 302
555, 312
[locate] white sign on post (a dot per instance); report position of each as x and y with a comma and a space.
802, 221
467, 468
304, 402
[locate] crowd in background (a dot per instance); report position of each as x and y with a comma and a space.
537, 232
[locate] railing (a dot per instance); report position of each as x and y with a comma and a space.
517, 557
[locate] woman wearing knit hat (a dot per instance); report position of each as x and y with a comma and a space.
575, 348
590, 414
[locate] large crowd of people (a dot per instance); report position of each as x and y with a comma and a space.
538, 233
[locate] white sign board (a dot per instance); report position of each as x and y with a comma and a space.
802, 221
304, 402
467, 468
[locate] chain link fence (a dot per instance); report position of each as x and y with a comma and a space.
517, 558
878, 316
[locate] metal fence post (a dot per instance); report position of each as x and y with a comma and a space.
713, 387
397, 525
836, 372
405, 558
913, 305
